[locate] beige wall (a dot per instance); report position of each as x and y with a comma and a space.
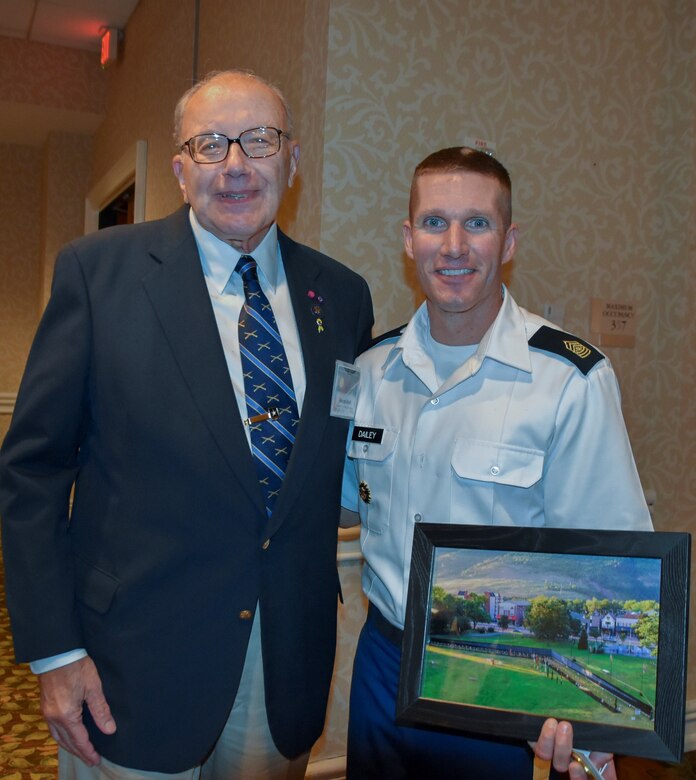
43, 180
38, 74
156, 66
291, 52
20, 218
591, 106
153, 72
66, 169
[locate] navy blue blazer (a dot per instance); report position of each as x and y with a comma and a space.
127, 396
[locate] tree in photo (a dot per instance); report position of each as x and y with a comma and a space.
472, 609
548, 618
647, 629
582, 640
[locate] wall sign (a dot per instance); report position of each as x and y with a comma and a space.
613, 323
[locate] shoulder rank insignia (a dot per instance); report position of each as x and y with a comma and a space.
577, 351
390, 334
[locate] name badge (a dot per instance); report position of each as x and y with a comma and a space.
344, 397
372, 435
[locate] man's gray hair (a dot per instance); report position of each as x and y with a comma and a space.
212, 76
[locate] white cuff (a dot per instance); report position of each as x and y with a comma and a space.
56, 661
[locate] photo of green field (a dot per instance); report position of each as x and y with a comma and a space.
531, 685
576, 639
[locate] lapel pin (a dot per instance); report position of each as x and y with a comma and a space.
316, 309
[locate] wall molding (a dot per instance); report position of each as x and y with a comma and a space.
7, 402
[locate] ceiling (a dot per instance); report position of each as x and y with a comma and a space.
76, 24
73, 23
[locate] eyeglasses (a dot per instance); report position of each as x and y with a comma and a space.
214, 147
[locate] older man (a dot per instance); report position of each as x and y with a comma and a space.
182, 613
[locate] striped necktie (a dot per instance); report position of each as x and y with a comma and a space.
270, 398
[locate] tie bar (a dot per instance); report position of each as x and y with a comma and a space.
272, 414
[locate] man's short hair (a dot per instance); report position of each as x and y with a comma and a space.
463, 158
216, 74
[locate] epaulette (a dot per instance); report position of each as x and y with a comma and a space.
570, 347
390, 334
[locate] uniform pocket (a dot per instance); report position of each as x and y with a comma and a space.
502, 464
375, 462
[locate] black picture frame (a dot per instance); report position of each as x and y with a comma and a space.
663, 737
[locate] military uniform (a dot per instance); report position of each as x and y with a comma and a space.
527, 430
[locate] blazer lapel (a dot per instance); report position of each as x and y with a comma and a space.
177, 290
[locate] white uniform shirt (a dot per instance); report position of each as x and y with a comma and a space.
515, 436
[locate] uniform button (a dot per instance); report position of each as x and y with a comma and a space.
246, 614
495, 470
364, 447
434, 401
266, 544
418, 517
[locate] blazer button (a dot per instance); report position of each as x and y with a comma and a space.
266, 544
246, 614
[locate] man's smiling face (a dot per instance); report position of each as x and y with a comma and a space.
236, 199
457, 237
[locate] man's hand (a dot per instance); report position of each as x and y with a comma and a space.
556, 743
63, 692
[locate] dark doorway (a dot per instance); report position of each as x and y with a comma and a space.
121, 209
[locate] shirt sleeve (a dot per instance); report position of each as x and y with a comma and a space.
590, 476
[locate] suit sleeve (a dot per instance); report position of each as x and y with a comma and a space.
39, 462
590, 476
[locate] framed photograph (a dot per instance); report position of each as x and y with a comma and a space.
506, 626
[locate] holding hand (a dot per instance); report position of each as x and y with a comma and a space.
555, 747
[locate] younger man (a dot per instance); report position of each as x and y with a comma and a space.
484, 413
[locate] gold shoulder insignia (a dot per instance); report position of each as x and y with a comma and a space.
577, 348
581, 354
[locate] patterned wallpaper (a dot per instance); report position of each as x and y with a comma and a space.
592, 108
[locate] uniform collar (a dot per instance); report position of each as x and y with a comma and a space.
219, 259
505, 342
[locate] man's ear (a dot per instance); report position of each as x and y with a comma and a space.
510, 246
408, 238
178, 168
294, 162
